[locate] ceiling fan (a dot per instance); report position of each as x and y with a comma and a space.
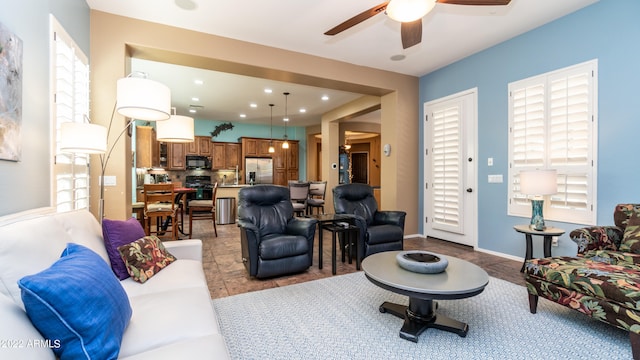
409, 13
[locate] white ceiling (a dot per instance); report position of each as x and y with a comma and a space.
450, 33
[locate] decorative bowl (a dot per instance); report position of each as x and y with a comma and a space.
422, 261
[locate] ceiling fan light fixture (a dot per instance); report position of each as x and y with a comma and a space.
409, 10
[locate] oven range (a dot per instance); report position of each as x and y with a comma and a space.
203, 186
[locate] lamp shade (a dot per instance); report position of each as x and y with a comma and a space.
409, 10
83, 138
538, 182
177, 129
143, 99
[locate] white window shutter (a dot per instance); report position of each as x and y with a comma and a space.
447, 169
552, 124
70, 87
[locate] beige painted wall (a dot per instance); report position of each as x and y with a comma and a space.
115, 39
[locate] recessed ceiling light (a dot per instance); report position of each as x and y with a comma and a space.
285, 119
199, 82
243, 115
253, 105
268, 91
303, 110
398, 57
193, 111
195, 99
325, 97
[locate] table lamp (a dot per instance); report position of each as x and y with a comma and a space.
538, 183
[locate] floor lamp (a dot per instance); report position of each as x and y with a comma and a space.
538, 183
138, 98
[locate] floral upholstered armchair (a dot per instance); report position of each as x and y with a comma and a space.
602, 280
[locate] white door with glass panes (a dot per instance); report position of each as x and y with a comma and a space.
450, 202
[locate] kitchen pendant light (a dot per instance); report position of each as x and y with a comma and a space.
285, 144
271, 148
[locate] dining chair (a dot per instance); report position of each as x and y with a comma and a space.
203, 210
299, 194
317, 191
159, 205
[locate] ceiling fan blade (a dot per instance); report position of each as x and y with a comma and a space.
411, 33
475, 2
358, 19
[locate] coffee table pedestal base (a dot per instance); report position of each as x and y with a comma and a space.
419, 316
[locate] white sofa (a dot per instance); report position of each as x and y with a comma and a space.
172, 318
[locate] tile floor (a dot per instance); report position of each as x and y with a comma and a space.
226, 275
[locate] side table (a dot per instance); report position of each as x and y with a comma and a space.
348, 231
548, 234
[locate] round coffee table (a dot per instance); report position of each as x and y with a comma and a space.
461, 279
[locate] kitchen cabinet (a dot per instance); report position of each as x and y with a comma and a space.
226, 155
254, 147
147, 151
232, 155
200, 146
285, 161
218, 156
176, 156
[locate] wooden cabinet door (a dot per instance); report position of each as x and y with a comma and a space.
191, 148
279, 157
204, 145
292, 156
263, 148
218, 155
280, 177
250, 147
176, 156
145, 136
232, 155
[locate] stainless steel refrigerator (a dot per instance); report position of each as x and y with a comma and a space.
258, 170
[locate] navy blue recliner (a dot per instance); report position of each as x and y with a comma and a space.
273, 241
379, 230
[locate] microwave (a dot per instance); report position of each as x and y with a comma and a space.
198, 162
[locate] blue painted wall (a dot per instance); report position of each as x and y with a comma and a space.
608, 31
25, 184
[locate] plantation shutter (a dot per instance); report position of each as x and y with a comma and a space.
70, 87
552, 126
447, 169
570, 138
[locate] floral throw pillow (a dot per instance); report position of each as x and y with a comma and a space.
631, 238
145, 257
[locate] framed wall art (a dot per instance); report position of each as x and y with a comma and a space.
10, 95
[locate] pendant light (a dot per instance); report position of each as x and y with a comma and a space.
285, 144
271, 148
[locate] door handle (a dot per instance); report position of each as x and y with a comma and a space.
469, 190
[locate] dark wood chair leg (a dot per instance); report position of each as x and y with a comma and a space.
533, 303
635, 345
213, 217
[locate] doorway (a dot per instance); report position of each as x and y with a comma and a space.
360, 167
450, 168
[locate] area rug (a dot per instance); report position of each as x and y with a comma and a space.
338, 318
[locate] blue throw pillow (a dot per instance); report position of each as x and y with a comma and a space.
78, 303
117, 233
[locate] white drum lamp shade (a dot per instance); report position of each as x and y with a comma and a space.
177, 129
538, 182
143, 99
409, 10
83, 138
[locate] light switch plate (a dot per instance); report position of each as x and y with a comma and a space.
109, 180
495, 178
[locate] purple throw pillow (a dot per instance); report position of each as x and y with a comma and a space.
117, 233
